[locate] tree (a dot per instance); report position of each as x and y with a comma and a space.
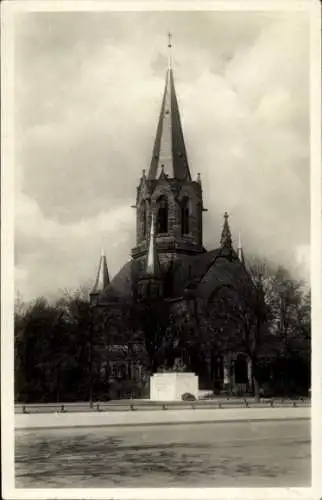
37, 331
285, 347
152, 322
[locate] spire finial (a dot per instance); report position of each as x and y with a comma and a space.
225, 240
170, 52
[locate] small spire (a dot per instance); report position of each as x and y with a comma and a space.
240, 252
225, 240
170, 51
199, 178
152, 261
163, 175
102, 278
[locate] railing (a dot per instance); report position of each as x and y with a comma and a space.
146, 405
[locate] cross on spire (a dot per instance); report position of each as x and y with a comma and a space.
170, 47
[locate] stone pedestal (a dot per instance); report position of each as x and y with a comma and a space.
171, 386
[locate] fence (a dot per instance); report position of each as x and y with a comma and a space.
146, 405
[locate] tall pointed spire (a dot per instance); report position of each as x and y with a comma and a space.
240, 252
225, 240
152, 267
169, 148
102, 278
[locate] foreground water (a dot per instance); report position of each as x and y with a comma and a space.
261, 454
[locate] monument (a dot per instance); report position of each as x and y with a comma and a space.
172, 384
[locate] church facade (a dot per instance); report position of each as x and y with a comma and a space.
169, 262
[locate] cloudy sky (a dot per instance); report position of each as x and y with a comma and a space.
88, 89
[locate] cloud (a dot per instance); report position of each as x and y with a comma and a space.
53, 256
88, 91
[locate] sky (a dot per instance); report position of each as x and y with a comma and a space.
87, 94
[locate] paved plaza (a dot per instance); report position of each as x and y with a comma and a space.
222, 454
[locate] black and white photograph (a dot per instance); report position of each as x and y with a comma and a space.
160, 200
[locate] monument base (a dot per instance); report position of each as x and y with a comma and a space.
171, 386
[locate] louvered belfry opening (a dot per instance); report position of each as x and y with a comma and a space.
162, 218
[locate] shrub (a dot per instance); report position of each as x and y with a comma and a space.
125, 389
187, 396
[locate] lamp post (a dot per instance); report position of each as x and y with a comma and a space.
190, 299
91, 340
93, 304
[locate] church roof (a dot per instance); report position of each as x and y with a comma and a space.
209, 270
204, 272
120, 286
169, 152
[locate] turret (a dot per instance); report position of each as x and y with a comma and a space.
150, 282
152, 265
225, 239
240, 252
102, 280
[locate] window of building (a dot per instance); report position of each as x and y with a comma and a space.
185, 213
122, 371
114, 371
162, 218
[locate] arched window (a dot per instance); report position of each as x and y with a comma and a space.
143, 218
185, 212
162, 219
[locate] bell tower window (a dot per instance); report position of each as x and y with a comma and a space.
143, 218
162, 217
185, 212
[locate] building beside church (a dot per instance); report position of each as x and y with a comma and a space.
170, 261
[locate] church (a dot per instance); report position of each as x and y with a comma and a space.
169, 261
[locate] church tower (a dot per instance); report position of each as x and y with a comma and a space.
167, 190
